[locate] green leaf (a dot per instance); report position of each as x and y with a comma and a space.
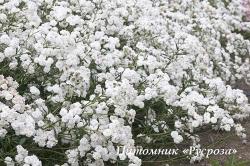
22, 141
215, 163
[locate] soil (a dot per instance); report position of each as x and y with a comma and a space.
227, 140
220, 140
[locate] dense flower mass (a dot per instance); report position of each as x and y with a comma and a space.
78, 78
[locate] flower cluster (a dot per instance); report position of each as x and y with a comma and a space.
78, 78
23, 158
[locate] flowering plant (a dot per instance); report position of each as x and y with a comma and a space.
80, 77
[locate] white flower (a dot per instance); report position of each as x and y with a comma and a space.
150, 93
9, 51
178, 124
73, 20
3, 132
107, 132
5, 39
177, 138
207, 117
9, 162
72, 157
32, 160
21, 154
34, 90
8, 95
93, 124
131, 75
60, 12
